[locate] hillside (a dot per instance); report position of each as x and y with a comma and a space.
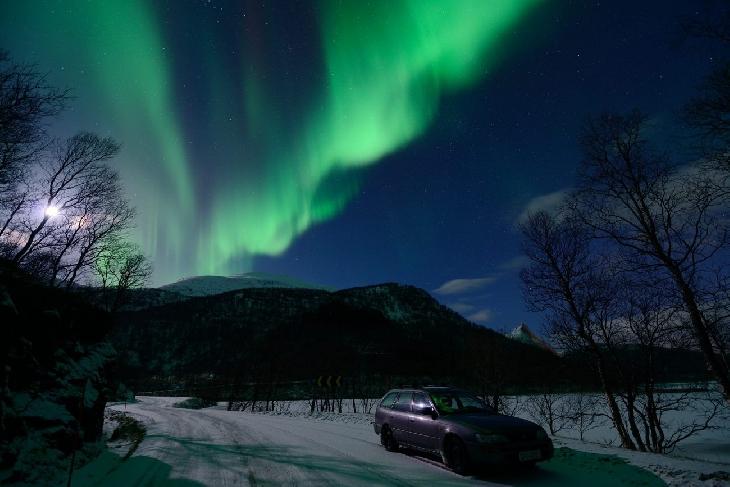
285, 334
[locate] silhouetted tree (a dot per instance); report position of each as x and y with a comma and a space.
27, 101
120, 266
650, 324
61, 203
79, 203
666, 220
597, 302
565, 280
547, 408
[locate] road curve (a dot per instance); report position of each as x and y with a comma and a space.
215, 447
186, 447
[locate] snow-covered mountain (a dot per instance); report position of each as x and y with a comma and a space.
523, 334
210, 285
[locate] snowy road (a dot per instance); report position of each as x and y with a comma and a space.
215, 447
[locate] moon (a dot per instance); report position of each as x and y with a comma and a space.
51, 211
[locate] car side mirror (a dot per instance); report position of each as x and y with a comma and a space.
427, 411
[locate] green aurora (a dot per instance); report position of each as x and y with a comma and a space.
386, 65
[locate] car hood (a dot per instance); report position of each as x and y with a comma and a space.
496, 423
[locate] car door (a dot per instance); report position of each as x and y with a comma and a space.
423, 428
399, 417
382, 412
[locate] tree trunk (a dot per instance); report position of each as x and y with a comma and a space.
631, 416
616, 418
717, 366
29, 243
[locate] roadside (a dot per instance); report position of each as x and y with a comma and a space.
674, 471
216, 447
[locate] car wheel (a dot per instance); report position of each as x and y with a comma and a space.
456, 457
387, 439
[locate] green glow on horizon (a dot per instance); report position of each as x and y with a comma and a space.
388, 64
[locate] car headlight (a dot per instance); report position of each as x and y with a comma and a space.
541, 434
491, 438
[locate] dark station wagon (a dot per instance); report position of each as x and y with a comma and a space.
459, 427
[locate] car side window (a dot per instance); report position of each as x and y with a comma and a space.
388, 399
404, 402
420, 401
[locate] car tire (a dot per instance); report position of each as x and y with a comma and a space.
387, 439
456, 456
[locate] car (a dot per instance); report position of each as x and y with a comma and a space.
458, 426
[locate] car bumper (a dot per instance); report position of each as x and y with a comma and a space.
509, 453
376, 427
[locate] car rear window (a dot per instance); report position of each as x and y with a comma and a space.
388, 399
404, 402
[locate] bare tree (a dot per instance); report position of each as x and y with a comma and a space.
547, 408
77, 244
59, 200
565, 281
120, 266
490, 371
112, 217
13, 202
583, 411
75, 188
597, 303
26, 102
652, 326
665, 219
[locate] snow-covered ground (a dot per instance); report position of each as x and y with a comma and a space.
711, 444
289, 447
705, 452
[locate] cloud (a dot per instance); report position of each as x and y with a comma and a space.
481, 316
549, 203
461, 286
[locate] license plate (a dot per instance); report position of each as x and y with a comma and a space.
529, 455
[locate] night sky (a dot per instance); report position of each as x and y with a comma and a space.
347, 143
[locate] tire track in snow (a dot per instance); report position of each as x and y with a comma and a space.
393, 480
217, 447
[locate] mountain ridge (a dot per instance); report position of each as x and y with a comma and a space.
522, 333
213, 284
280, 334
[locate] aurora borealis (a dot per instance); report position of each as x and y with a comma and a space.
385, 66
340, 141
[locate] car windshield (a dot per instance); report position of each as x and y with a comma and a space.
448, 402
